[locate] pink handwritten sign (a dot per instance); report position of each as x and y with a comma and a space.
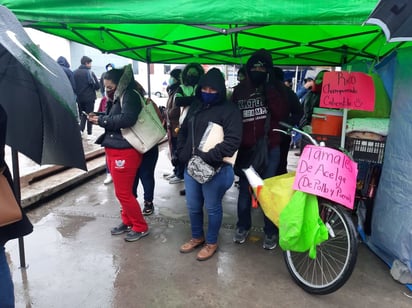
327, 173
353, 90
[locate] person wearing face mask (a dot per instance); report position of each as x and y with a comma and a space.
172, 123
208, 105
123, 108
260, 97
311, 100
183, 98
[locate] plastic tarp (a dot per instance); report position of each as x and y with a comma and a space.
296, 32
392, 215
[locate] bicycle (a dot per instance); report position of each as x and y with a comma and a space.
336, 257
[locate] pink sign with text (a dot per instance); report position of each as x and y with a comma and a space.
353, 90
327, 173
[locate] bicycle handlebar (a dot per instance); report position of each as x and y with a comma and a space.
292, 128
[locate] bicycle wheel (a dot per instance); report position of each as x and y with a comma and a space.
335, 258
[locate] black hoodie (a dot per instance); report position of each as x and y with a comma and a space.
221, 112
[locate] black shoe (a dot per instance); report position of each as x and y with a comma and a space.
148, 208
120, 229
133, 236
182, 192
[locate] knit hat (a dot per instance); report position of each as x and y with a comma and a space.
260, 57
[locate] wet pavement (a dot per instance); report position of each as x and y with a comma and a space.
73, 261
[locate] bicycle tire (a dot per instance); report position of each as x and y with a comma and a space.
335, 257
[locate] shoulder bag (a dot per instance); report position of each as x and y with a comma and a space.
197, 168
148, 129
10, 211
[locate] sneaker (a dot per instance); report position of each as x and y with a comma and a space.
122, 228
108, 179
169, 176
270, 242
240, 236
133, 236
175, 180
90, 137
148, 208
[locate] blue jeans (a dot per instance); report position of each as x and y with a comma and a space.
244, 203
210, 195
145, 173
6, 284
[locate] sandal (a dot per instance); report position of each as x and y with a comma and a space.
148, 208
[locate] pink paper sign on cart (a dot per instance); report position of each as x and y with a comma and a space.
350, 90
327, 173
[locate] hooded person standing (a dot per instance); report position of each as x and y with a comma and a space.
261, 97
62, 61
86, 86
208, 106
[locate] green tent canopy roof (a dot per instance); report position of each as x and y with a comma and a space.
325, 33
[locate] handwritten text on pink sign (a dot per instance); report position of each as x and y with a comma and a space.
327, 173
353, 90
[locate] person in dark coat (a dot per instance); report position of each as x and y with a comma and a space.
209, 105
86, 87
62, 61
12, 231
293, 118
122, 158
259, 98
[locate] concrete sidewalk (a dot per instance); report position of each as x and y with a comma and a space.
73, 261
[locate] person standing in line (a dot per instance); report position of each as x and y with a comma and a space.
295, 114
172, 123
86, 85
184, 97
11, 231
102, 108
146, 171
62, 61
123, 160
209, 105
259, 98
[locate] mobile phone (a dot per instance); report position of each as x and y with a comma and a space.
85, 113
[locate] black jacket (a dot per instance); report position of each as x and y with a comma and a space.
86, 84
221, 112
62, 61
24, 226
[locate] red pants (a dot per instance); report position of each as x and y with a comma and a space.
123, 165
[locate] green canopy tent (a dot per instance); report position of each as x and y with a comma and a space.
306, 33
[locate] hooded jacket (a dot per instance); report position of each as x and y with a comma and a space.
62, 61
122, 112
221, 112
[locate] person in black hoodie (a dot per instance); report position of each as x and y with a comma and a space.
209, 105
62, 61
11, 231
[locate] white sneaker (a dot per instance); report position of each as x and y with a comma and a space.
170, 176
175, 180
108, 179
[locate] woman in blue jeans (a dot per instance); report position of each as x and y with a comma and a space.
209, 106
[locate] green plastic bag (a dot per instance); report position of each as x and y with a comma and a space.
300, 227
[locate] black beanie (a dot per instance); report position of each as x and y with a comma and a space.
262, 57
175, 73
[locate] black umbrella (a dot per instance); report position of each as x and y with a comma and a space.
38, 99
395, 19
40, 104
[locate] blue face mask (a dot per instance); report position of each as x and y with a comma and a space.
209, 98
